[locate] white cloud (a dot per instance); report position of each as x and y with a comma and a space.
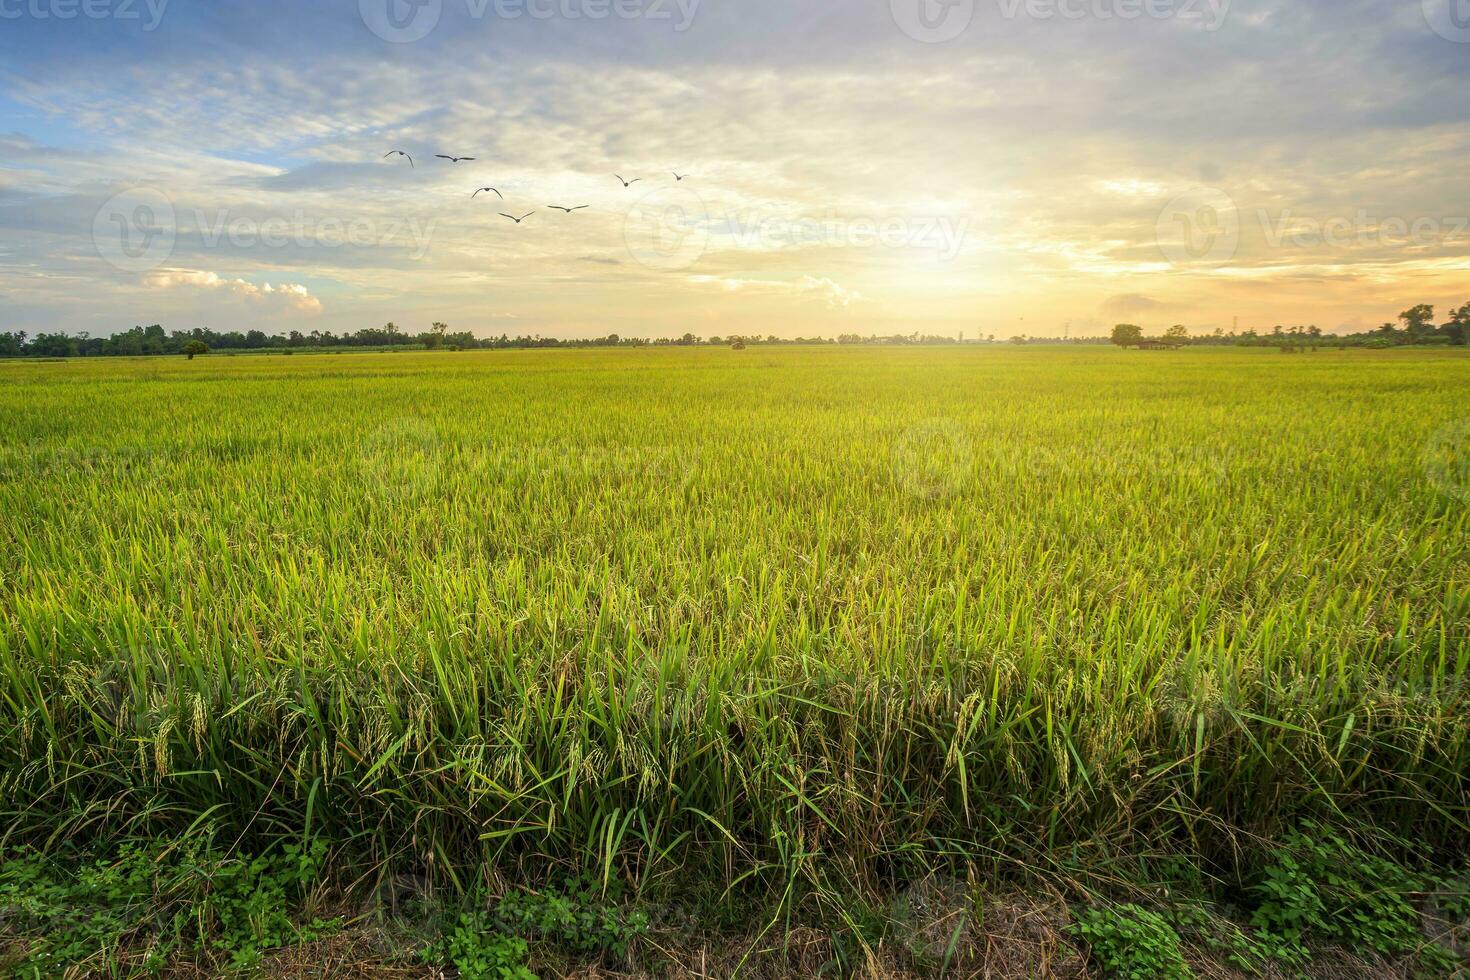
835, 295
282, 298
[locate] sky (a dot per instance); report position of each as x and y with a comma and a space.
976, 167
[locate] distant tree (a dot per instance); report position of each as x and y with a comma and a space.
194, 348
54, 345
1418, 321
1177, 332
1127, 335
738, 345
155, 340
1458, 329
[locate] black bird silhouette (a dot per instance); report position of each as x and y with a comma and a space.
515, 219
558, 207
484, 189
680, 176
399, 153
453, 159
628, 183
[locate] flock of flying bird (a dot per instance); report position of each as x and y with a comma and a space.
555, 207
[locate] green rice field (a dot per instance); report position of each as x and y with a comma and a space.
736, 614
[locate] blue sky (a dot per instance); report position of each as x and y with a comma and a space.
852, 165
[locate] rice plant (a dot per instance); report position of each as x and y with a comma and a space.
734, 613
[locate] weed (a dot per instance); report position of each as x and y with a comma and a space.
1129, 942
131, 912
579, 916
1321, 887
252, 900
478, 951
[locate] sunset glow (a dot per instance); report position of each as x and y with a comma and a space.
1049, 165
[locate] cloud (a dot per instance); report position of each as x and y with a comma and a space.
282, 298
833, 294
281, 112
1132, 304
837, 297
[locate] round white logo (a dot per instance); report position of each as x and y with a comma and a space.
933, 21
1446, 460
932, 459
135, 229
1450, 19
1200, 226
667, 229
401, 21
400, 459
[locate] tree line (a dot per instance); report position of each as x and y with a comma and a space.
154, 340
1415, 327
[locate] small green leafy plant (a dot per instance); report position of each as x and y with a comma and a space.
251, 901
1320, 886
1129, 942
1207, 928
127, 914
62, 918
478, 951
578, 916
